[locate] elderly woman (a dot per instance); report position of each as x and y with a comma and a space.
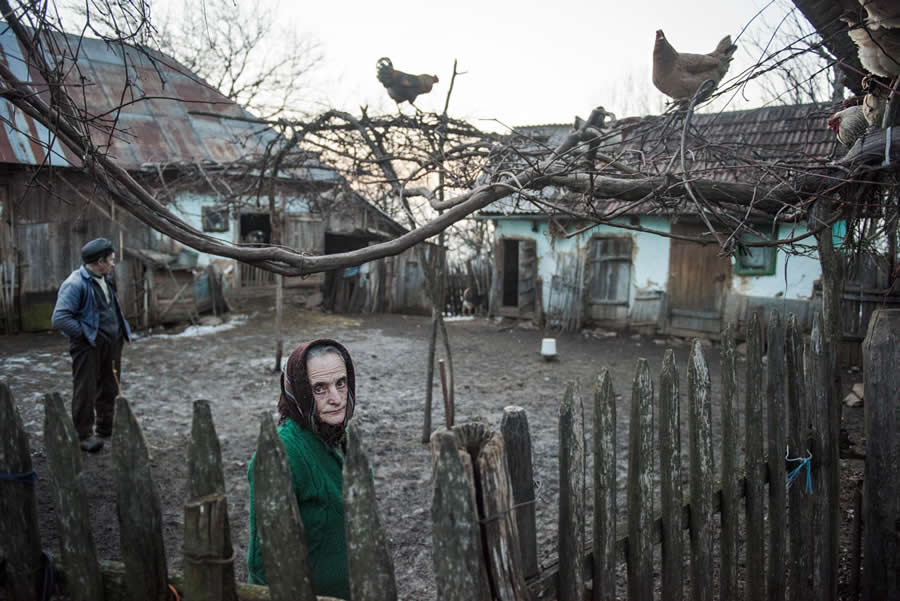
317, 399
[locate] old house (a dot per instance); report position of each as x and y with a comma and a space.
196, 150
639, 273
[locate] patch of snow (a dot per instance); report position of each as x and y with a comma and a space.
460, 318
191, 331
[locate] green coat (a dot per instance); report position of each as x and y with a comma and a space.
317, 480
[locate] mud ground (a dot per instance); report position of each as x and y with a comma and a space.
495, 364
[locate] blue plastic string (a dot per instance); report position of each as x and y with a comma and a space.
805, 462
26, 477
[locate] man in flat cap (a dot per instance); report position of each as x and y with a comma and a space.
88, 312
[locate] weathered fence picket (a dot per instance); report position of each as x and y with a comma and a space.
456, 541
571, 496
209, 568
881, 547
278, 520
18, 505
754, 466
640, 486
701, 477
824, 452
670, 473
78, 551
517, 441
800, 505
731, 497
776, 415
499, 524
604, 521
369, 560
140, 512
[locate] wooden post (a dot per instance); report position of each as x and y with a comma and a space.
754, 466
278, 520
498, 524
448, 404
79, 553
640, 486
18, 506
456, 545
429, 377
604, 581
881, 538
777, 415
279, 308
517, 441
800, 505
731, 496
571, 496
670, 473
140, 513
701, 477
205, 477
369, 561
205, 559
825, 467
856, 542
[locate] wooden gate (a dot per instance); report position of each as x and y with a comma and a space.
698, 279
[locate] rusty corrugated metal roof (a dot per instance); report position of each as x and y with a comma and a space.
153, 126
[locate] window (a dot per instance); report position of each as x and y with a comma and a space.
215, 219
754, 260
609, 269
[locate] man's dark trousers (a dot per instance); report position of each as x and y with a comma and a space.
95, 384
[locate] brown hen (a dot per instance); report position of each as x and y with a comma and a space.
679, 75
400, 86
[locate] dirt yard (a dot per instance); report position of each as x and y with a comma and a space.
231, 366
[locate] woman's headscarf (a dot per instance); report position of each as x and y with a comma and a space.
297, 402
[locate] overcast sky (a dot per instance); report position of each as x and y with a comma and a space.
525, 61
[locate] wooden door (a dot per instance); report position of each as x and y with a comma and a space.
527, 276
305, 234
698, 280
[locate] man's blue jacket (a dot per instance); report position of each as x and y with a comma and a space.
77, 314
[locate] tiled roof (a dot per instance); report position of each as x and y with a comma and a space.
756, 145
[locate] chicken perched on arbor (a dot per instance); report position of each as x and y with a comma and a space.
679, 75
402, 86
849, 124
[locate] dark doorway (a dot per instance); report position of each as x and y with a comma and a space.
340, 284
510, 273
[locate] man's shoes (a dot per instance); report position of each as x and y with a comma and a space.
91, 444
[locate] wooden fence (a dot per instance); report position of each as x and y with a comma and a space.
483, 511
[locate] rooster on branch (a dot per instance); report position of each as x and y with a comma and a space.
400, 86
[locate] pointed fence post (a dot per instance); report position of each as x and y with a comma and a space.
517, 441
754, 466
640, 486
456, 546
799, 503
208, 552
604, 557
84, 581
140, 512
731, 496
881, 547
701, 478
18, 506
278, 520
777, 415
571, 496
369, 559
670, 474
